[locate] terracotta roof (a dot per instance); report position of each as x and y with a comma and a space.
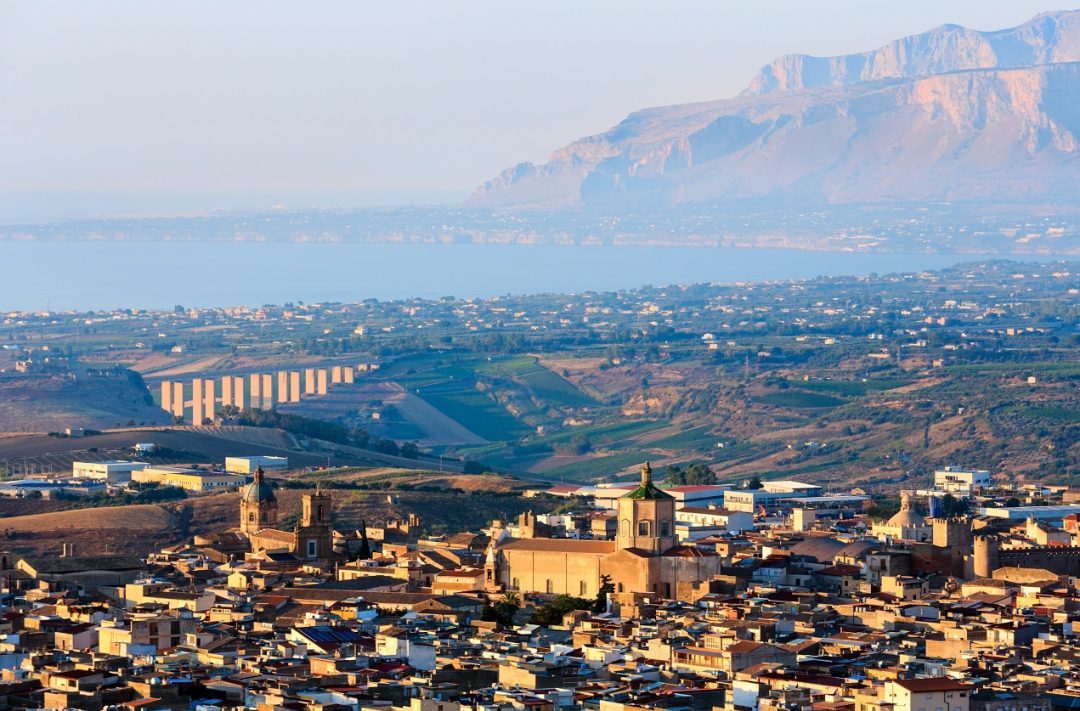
823, 549
936, 684
275, 534
688, 552
84, 563
839, 569
557, 545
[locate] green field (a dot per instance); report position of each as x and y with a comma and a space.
1037, 368
1057, 414
542, 384
698, 438
474, 410
606, 433
597, 467
851, 388
798, 399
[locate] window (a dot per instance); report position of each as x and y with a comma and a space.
549, 586
619, 587
583, 588
626, 527
251, 517
644, 529
515, 584
665, 528
312, 549
319, 518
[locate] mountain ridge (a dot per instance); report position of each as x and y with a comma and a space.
964, 132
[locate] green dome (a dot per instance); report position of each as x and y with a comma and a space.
648, 490
258, 491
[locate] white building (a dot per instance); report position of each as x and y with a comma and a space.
248, 465
197, 481
694, 522
774, 495
113, 471
954, 480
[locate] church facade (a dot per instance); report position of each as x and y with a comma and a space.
311, 539
644, 557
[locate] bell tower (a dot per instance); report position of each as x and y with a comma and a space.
646, 517
315, 533
317, 509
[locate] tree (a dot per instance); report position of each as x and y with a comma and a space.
365, 547
552, 613
755, 483
472, 467
606, 588
952, 506
504, 611
693, 475
409, 450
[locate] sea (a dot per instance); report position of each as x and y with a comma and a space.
103, 275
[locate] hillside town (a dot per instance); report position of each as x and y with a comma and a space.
771, 595
766, 401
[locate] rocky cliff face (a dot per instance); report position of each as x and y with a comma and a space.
951, 114
1049, 38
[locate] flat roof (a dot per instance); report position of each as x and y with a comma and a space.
788, 484
838, 499
1030, 511
262, 457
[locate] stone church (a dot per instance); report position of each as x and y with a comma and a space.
311, 539
644, 557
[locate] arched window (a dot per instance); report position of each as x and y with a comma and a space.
263, 516
619, 587
644, 528
626, 527
319, 514
583, 589
549, 586
251, 517
514, 583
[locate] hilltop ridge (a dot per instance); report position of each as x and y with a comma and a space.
952, 114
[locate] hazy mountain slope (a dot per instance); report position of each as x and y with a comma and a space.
1047, 39
909, 132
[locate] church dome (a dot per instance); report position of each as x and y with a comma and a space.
258, 491
906, 517
647, 490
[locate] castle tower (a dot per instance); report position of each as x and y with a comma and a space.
986, 557
646, 517
953, 533
258, 505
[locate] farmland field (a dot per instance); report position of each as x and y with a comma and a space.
543, 384
597, 467
798, 399
851, 388
474, 410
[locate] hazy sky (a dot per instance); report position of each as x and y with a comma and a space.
343, 102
